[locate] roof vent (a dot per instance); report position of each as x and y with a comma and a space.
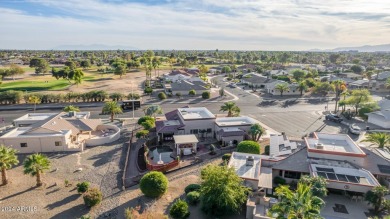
249, 161
319, 146
72, 114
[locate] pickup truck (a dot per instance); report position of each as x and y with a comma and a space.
334, 118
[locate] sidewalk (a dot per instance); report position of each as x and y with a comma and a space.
49, 106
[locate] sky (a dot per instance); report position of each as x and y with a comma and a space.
194, 24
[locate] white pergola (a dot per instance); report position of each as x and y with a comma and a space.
185, 141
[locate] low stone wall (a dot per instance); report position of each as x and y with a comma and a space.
104, 140
158, 167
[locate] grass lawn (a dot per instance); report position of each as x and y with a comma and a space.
35, 85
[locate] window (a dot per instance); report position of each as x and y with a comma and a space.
280, 172
194, 131
23, 145
208, 130
58, 143
292, 175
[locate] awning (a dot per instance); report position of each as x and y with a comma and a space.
183, 139
265, 178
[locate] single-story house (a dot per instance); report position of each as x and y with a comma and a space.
381, 118
37, 132
293, 88
232, 130
256, 80
184, 86
179, 75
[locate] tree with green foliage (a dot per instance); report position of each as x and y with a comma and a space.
71, 64
357, 69
78, 76
15, 70
156, 62
318, 185
145, 119
162, 96
85, 64
206, 95
34, 100
381, 139
191, 188
367, 108
339, 87
222, 190
40, 65
148, 125
36, 165
323, 88
231, 108
142, 134
192, 92
226, 69
222, 92
120, 70
133, 96
359, 97
256, 131
112, 108
376, 197
71, 108
250, 147
282, 87
299, 204
82, 187
8, 159
179, 210
302, 86
148, 90
299, 75
92, 197
154, 184
193, 197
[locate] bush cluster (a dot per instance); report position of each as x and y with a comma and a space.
154, 184
92, 197
179, 210
250, 147
191, 188
82, 187
193, 197
226, 157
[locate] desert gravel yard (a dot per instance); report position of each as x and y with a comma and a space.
100, 166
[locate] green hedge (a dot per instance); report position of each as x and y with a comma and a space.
191, 188
250, 147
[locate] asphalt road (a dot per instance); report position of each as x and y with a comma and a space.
292, 116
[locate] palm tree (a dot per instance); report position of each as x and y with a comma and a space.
111, 108
35, 165
282, 88
7, 160
302, 87
256, 131
379, 138
231, 108
376, 197
340, 87
299, 204
34, 100
71, 108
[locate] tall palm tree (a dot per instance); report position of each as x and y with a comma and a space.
379, 138
7, 160
231, 108
299, 204
35, 165
340, 87
282, 88
112, 108
256, 131
71, 108
302, 87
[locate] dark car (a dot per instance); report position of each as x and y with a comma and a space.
334, 118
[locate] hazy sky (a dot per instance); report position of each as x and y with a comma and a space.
194, 24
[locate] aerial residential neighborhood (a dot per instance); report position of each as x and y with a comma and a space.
194, 109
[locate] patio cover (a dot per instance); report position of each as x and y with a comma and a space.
265, 178
183, 139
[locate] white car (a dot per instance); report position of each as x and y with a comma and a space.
354, 129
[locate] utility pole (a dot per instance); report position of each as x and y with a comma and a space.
132, 102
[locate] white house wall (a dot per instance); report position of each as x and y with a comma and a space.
199, 124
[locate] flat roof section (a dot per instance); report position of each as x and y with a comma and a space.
239, 162
183, 139
35, 116
195, 113
234, 121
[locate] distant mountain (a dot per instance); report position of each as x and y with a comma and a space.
366, 48
94, 47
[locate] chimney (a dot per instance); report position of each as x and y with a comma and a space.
249, 161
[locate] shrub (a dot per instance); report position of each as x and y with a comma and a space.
82, 187
206, 95
226, 157
133, 96
142, 134
192, 188
250, 147
192, 92
92, 197
266, 150
154, 184
178, 94
162, 96
279, 180
144, 119
193, 197
148, 90
179, 210
212, 150
148, 124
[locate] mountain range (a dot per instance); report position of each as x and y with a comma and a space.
365, 48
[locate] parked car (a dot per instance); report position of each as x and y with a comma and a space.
354, 129
334, 118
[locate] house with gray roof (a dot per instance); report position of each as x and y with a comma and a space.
256, 80
184, 86
381, 117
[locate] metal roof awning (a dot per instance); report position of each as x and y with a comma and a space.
265, 178
184, 139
